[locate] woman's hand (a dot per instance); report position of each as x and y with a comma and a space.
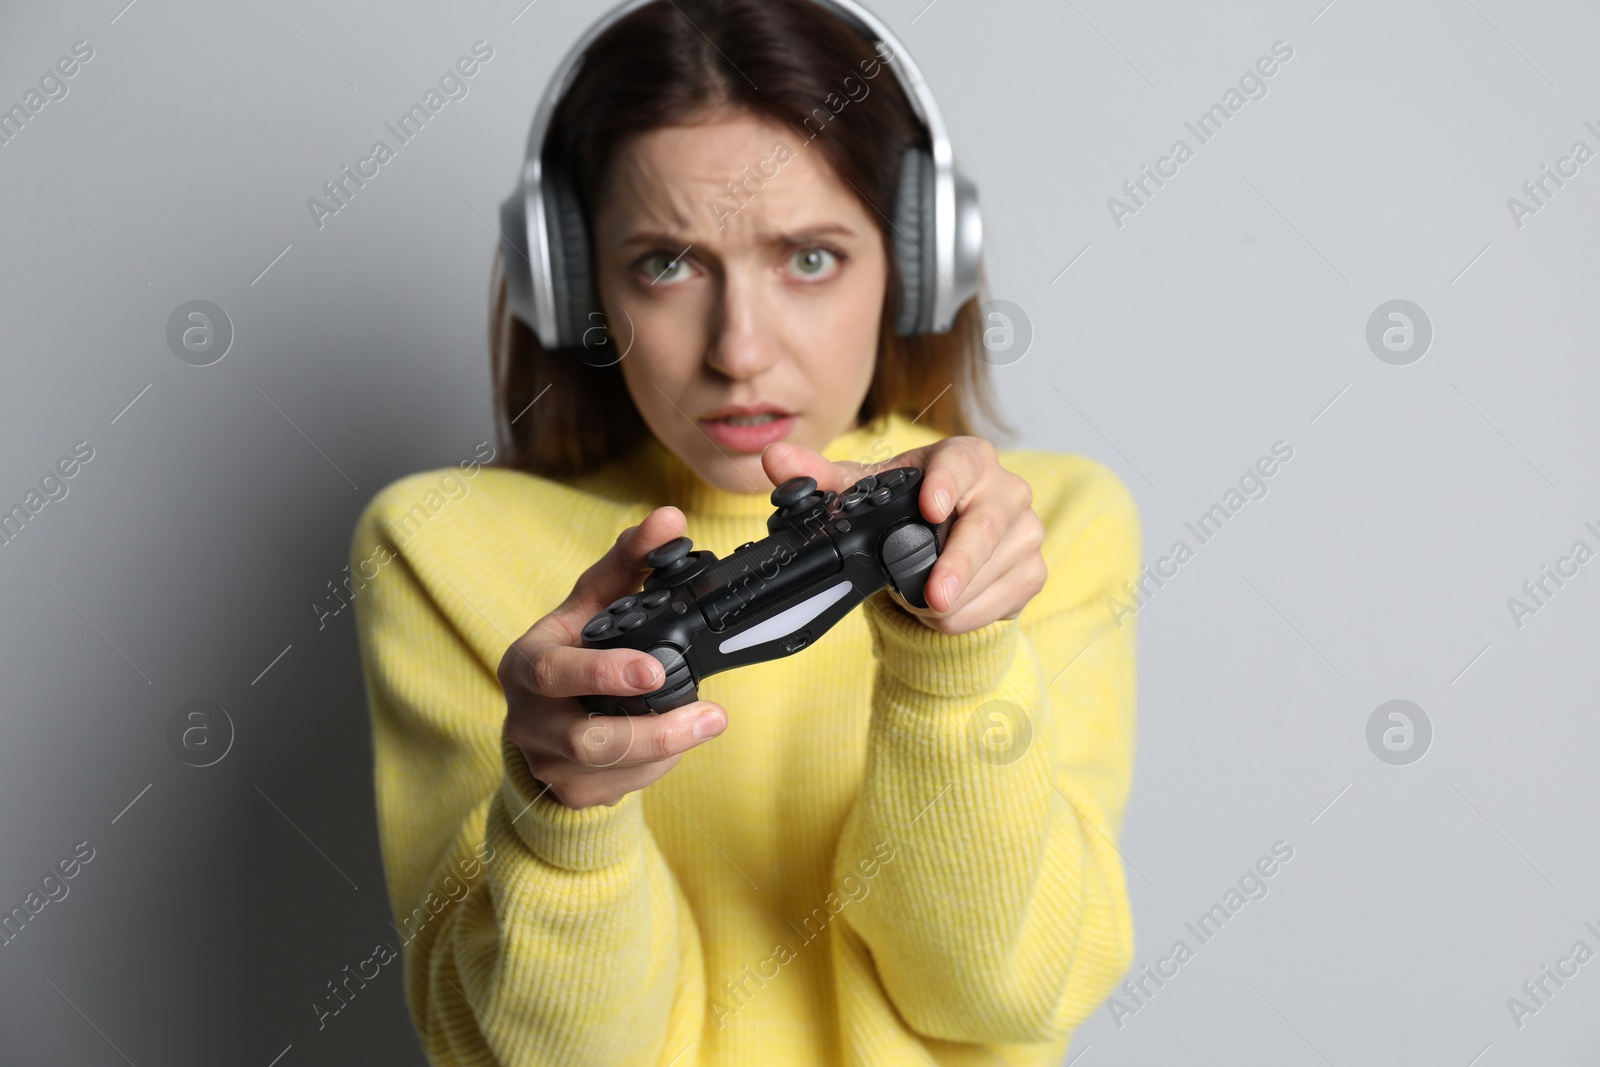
991, 564
585, 758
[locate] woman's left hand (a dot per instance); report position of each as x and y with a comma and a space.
991, 565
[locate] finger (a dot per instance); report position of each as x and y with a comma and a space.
973, 539
783, 460
1004, 598
561, 670
1018, 546
620, 571
953, 470
600, 742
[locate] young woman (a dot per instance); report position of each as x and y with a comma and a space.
894, 847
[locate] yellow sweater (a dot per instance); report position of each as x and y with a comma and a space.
868, 867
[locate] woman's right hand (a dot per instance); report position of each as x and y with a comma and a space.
584, 758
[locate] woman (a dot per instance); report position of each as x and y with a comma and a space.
895, 847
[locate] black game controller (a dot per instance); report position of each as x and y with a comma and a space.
826, 553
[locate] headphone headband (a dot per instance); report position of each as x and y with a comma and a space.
955, 234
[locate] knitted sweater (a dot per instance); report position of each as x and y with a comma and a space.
900, 851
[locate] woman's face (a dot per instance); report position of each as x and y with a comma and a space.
769, 300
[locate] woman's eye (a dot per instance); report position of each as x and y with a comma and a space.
662, 269
813, 263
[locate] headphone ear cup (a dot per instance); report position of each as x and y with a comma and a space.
913, 242
579, 323
514, 261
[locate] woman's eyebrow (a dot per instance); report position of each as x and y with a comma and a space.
811, 231
654, 237
651, 237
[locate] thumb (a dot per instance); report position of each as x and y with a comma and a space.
622, 569
783, 460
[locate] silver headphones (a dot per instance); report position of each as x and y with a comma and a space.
937, 229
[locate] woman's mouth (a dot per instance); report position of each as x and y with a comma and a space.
748, 433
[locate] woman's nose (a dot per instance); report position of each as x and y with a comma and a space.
743, 333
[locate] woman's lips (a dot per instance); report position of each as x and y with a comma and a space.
748, 438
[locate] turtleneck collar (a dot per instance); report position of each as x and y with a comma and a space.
664, 478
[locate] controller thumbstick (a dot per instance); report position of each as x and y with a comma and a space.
664, 556
793, 492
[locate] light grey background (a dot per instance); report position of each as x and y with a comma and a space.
1228, 314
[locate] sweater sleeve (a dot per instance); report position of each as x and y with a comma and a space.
998, 765
533, 933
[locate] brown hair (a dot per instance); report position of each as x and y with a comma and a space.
662, 65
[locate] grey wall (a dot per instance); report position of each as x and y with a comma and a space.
1228, 313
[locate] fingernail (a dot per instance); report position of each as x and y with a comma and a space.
952, 586
642, 675
941, 500
709, 724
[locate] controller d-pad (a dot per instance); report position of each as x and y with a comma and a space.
880, 495
867, 484
853, 499
895, 477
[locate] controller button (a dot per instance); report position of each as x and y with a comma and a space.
655, 598
909, 552
676, 697
631, 621
666, 555
795, 642
669, 657
880, 495
677, 685
895, 477
674, 666
793, 491
867, 484
679, 607
843, 526
622, 604
597, 626
747, 544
